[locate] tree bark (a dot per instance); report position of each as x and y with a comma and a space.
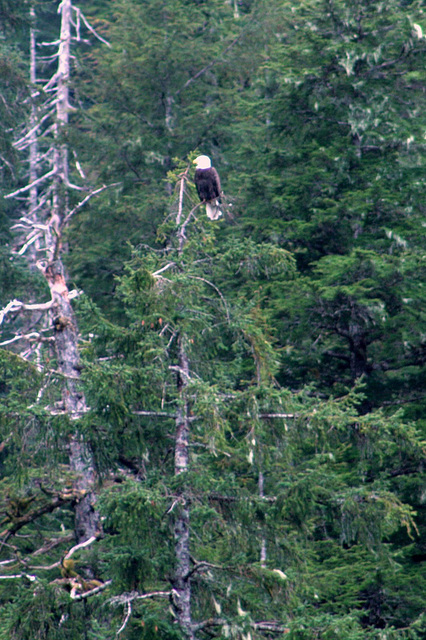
33, 148
65, 327
181, 595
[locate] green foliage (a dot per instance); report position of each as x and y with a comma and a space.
330, 501
300, 313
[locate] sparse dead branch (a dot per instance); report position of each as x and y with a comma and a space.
82, 545
43, 178
16, 305
86, 199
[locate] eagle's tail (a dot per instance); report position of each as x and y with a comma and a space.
213, 209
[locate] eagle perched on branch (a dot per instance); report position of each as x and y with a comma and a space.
207, 182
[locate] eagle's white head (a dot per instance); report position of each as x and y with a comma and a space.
203, 162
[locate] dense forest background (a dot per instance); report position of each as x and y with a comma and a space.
212, 429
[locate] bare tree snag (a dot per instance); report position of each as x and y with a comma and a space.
65, 327
48, 212
181, 593
180, 596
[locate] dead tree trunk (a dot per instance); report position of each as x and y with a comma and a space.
66, 348
181, 593
48, 212
66, 332
33, 148
182, 582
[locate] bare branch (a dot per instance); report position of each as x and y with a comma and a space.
4, 562
19, 575
8, 164
19, 144
168, 266
159, 414
211, 622
51, 544
183, 178
29, 242
126, 618
34, 336
92, 592
199, 566
181, 371
54, 43
33, 184
278, 415
86, 543
91, 29
134, 595
154, 594
269, 626
17, 305
181, 234
86, 199
217, 291
18, 522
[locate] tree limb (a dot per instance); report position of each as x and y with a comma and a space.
126, 618
17, 305
86, 543
20, 522
86, 199
47, 175
92, 592
217, 291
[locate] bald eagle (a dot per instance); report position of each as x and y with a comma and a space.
207, 182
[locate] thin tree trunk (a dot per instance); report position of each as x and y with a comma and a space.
181, 582
33, 120
263, 549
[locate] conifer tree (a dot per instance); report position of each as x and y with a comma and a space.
249, 485
188, 379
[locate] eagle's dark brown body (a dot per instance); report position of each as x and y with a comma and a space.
207, 181
208, 184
